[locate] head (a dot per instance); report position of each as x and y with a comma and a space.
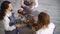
43, 20
20, 10
5, 6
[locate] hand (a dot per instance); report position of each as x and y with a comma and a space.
17, 25
24, 12
33, 29
28, 7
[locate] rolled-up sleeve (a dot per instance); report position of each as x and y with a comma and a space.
22, 3
6, 25
35, 4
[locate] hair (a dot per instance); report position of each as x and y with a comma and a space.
21, 9
43, 20
4, 6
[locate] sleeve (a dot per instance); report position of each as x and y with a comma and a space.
35, 4
6, 25
51, 28
22, 3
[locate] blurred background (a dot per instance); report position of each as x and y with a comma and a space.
52, 7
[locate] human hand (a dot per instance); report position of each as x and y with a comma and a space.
17, 25
33, 29
28, 7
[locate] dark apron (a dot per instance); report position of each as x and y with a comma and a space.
11, 32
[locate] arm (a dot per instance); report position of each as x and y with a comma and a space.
6, 25
35, 4
22, 3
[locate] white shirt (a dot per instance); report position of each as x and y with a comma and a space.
48, 30
6, 22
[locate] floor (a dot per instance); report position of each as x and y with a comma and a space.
52, 7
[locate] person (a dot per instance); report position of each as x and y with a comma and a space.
30, 20
29, 5
9, 21
25, 20
44, 26
22, 15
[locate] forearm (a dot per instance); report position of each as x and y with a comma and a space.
22, 3
6, 25
10, 28
35, 5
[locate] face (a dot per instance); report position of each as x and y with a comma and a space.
10, 7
